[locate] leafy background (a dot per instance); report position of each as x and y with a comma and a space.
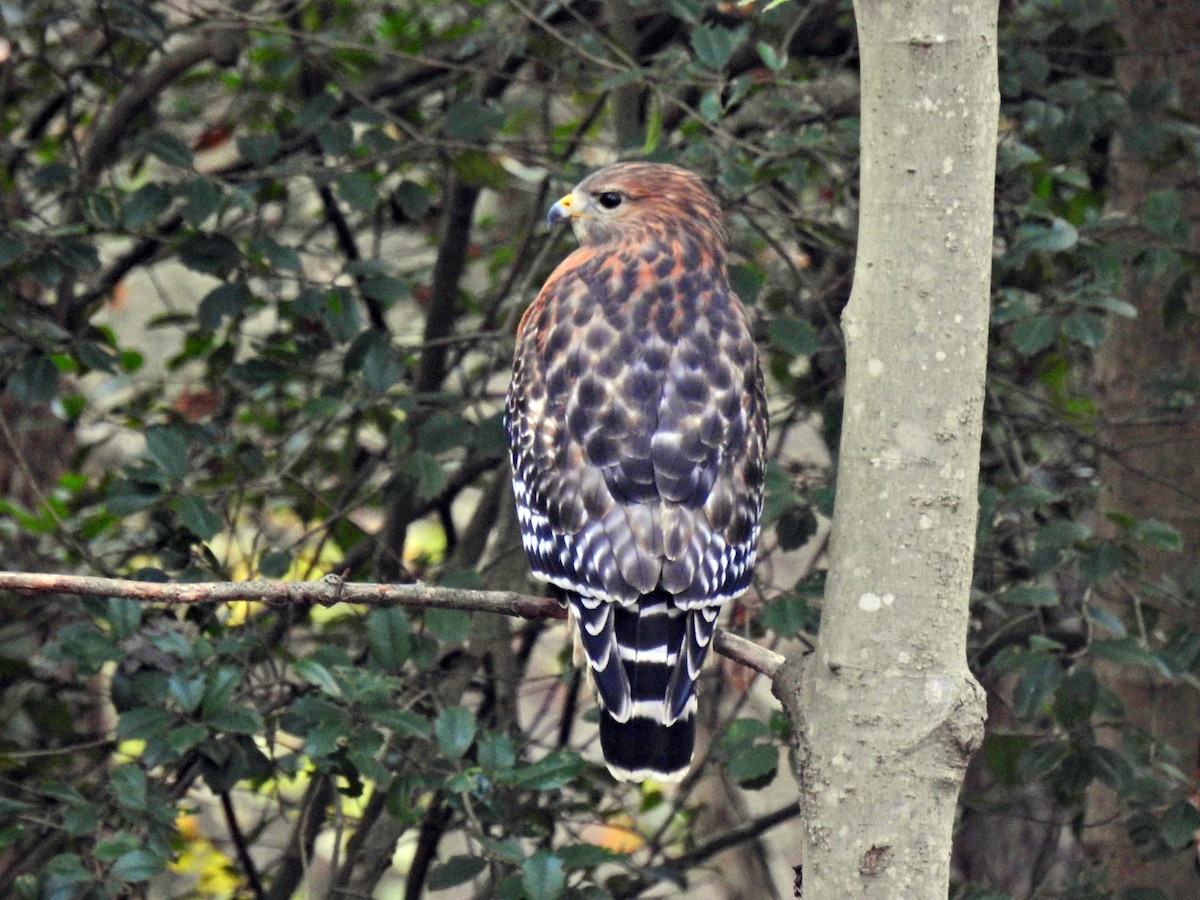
261, 267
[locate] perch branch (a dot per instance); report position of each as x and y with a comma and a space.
332, 589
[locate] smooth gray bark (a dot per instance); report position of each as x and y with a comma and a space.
887, 711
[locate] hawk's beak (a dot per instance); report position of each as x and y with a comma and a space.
561, 210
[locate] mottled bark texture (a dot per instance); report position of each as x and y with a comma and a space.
887, 711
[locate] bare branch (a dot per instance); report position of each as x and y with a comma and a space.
332, 589
326, 592
104, 137
749, 654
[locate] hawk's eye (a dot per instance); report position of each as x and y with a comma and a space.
609, 199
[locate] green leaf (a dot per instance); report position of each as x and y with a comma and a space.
622, 79
1111, 767
66, 869
1127, 651
169, 149
36, 381
389, 638
1179, 824
124, 616
1030, 595
210, 254
794, 336
84, 646
380, 367
1034, 335
1002, 753
1075, 698
427, 471
46, 269
654, 126
754, 766
223, 301
79, 255
412, 199
219, 691
1158, 535
1059, 235
128, 786
585, 856
1041, 759
126, 497
317, 674
403, 722
1162, 214
714, 45
202, 198
746, 282
358, 190
167, 445
455, 731
442, 432
549, 773
1059, 534
1105, 618
144, 205
1111, 304
788, 615
281, 256
10, 249
274, 564
97, 356
471, 121
237, 720
1149, 98
452, 626
340, 314
479, 169
384, 288
743, 732
187, 692
260, 149
137, 865
454, 871
771, 58
496, 751
143, 723
336, 138
543, 877
795, 527
315, 112
1084, 328
198, 517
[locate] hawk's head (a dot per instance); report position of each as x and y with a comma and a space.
638, 200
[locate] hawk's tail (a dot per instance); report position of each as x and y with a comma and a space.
644, 658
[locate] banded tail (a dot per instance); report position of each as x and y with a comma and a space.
644, 658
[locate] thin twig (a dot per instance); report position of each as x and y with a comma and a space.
735, 836
240, 847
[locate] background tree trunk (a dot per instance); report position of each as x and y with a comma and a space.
1151, 472
887, 711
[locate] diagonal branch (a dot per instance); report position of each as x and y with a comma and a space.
332, 589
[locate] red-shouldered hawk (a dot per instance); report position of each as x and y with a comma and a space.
637, 423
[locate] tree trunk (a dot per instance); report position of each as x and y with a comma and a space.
1152, 471
886, 709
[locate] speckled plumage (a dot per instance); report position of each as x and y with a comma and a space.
637, 424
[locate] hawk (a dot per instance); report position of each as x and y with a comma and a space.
637, 424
